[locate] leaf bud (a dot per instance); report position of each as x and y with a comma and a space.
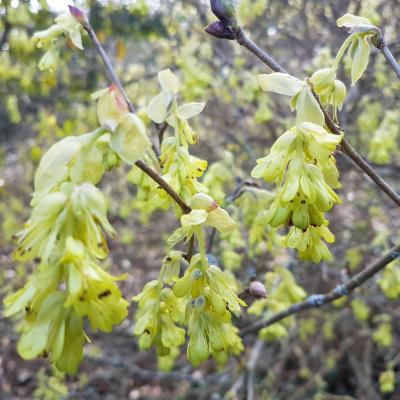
257, 290
225, 11
219, 30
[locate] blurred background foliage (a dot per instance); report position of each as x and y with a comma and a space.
348, 350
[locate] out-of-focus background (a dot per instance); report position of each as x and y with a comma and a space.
349, 350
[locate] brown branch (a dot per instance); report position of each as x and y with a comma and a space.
115, 80
318, 300
347, 149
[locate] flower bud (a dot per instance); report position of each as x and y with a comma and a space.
219, 30
78, 14
225, 11
202, 201
322, 79
257, 290
339, 93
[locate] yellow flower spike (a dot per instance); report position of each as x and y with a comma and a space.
111, 107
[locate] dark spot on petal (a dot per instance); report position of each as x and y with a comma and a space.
104, 294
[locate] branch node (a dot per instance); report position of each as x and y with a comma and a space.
316, 300
342, 290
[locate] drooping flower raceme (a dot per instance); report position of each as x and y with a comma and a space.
65, 24
180, 168
66, 234
302, 165
202, 300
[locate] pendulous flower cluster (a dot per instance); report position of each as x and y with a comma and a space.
66, 233
203, 299
301, 162
180, 169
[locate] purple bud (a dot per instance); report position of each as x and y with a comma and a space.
257, 289
78, 14
219, 30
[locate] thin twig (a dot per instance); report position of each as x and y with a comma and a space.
379, 42
317, 300
392, 61
251, 367
190, 249
115, 80
246, 42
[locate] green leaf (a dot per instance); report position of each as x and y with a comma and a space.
350, 21
189, 110
278, 82
308, 109
195, 217
158, 107
130, 141
360, 60
168, 81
